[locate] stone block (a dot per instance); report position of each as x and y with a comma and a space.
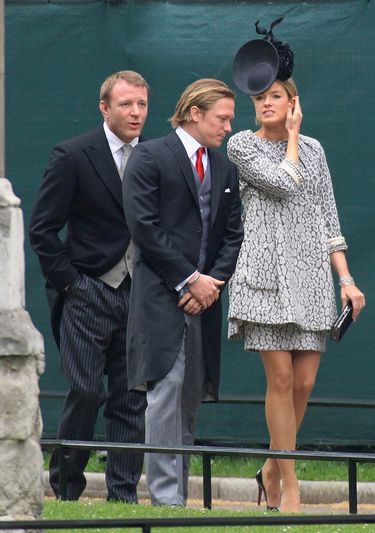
19, 398
21, 481
12, 268
18, 336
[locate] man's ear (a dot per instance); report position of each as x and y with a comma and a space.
103, 106
195, 113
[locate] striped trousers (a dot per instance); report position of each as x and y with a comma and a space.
93, 343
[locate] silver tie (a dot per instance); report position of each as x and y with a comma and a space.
126, 149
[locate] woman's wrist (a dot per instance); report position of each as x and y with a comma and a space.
345, 281
293, 138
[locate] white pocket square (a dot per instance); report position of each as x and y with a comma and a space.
227, 190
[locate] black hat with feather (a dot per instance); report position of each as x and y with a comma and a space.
259, 62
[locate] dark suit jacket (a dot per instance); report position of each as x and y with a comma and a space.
81, 190
162, 212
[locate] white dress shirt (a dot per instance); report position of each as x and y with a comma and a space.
116, 144
115, 276
191, 146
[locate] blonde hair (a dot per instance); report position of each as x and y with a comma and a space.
131, 77
203, 94
290, 88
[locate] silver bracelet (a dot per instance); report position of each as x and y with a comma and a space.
344, 281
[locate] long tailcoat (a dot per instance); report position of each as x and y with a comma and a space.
162, 212
82, 190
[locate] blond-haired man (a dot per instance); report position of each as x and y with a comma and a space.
182, 207
88, 283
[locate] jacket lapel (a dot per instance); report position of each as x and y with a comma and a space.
101, 157
215, 183
174, 143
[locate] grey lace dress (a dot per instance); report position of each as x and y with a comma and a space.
281, 295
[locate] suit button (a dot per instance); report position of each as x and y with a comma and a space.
199, 230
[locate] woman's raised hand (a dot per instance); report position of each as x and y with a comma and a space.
294, 116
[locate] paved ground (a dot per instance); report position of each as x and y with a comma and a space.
334, 508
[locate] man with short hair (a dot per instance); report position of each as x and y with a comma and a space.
88, 283
182, 207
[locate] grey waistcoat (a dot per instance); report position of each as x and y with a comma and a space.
204, 199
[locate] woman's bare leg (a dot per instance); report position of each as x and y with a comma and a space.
281, 422
305, 368
271, 480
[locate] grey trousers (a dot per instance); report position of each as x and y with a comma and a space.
171, 414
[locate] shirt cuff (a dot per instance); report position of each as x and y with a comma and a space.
183, 283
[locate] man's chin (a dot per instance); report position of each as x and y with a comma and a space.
218, 144
133, 132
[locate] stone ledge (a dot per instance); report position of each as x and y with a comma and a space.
241, 490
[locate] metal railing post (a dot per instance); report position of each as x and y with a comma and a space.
207, 481
352, 474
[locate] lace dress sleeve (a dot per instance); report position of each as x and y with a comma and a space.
258, 167
335, 240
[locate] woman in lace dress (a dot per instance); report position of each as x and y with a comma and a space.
281, 297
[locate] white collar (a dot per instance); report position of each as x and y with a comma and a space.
115, 143
191, 145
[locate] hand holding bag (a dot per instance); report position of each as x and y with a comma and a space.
342, 323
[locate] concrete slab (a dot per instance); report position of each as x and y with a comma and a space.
244, 491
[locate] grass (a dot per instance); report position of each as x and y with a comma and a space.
306, 470
247, 467
94, 509
221, 467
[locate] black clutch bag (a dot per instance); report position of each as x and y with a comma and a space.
342, 323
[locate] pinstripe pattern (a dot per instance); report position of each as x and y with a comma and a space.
93, 340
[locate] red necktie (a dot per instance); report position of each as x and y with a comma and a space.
199, 163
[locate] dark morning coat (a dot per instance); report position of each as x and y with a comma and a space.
162, 212
81, 188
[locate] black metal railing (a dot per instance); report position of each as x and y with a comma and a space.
146, 524
255, 400
207, 452
313, 402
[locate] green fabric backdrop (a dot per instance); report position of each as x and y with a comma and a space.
57, 55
